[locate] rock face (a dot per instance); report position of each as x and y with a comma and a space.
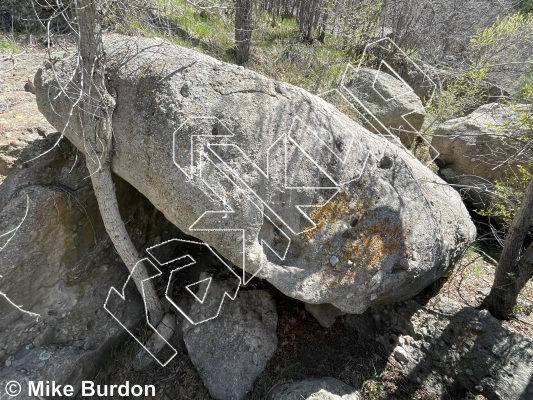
325, 314
445, 342
390, 100
231, 351
56, 269
315, 389
20, 121
476, 150
19, 126
195, 135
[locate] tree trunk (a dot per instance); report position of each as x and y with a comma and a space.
515, 267
96, 119
308, 18
243, 30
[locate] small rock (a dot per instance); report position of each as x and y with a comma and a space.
325, 314
314, 389
334, 260
479, 388
468, 153
45, 355
30, 85
88, 345
45, 338
385, 98
400, 354
376, 280
186, 89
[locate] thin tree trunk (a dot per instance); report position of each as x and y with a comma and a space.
243, 30
514, 268
96, 119
104, 190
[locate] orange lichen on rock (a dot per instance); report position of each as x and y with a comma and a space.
341, 206
365, 251
362, 247
373, 243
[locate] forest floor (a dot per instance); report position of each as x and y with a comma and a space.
307, 350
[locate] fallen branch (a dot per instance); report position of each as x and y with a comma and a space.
13, 58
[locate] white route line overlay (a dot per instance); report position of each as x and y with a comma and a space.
350, 94
209, 280
193, 170
236, 178
122, 295
13, 232
231, 210
123, 298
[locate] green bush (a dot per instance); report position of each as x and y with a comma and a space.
525, 81
509, 192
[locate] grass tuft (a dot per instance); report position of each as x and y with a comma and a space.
9, 46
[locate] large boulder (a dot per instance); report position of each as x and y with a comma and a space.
197, 135
388, 104
56, 268
477, 150
231, 351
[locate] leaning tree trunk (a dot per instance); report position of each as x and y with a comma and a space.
243, 30
96, 117
515, 267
